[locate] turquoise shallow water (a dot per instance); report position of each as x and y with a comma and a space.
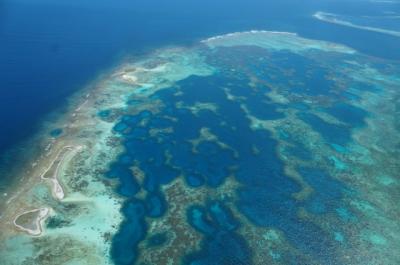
228, 135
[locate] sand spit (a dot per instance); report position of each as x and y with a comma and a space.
52, 171
31, 221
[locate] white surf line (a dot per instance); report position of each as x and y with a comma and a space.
383, 17
57, 190
12, 198
384, 1
129, 78
247, 32
43, 212
78, 109
80, 106
331, 18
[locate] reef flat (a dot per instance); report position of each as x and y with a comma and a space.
335, 19
249, 148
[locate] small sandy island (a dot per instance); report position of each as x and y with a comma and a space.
31, 221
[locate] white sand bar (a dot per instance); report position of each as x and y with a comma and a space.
53, 170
